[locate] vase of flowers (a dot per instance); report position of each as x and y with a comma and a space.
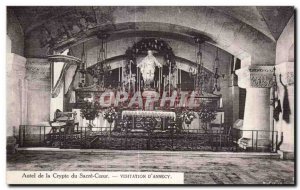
89, 112
206, 115
110, 115
187, 117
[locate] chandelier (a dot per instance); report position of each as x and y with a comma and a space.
199, 74
203, 78
82, 68
216, 76
101, 70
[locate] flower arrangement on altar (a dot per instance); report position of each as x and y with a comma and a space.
89, 114
207, 114
110, 115
187, 117
90, 110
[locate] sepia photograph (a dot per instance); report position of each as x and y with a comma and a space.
150, 95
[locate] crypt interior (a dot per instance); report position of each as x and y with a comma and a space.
237, 63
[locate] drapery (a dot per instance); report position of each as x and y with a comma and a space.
65, 72
286, 106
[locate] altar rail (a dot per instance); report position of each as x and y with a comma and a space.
185, 139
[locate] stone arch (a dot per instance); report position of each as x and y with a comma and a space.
224, 31
240, 46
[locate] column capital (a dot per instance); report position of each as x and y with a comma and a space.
255, 76
286, 70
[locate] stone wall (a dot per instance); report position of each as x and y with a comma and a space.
39, 90
28, 82
285, 68
285, 43
16, 93
16, 105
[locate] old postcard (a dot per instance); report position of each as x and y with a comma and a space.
150, 95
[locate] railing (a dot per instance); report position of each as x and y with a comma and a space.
259, 140
171, 139
32, 135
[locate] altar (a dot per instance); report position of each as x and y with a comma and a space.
151, 114
145, 98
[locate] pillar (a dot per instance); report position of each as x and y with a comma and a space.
38, 89
234, 94
257, 80
16, 92
284, 127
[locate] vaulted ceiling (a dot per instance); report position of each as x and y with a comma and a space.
242, 31
268, 20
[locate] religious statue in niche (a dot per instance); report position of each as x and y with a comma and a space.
147, 68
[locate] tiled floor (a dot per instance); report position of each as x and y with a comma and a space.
197, 168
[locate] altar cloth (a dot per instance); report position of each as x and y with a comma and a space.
141, 113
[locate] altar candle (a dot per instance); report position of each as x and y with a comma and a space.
159, 79
180, 78
221, 103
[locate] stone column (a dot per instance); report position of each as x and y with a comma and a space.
257, 80
39, 91
16, 91
234, 92
283, 126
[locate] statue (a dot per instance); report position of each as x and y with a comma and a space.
147, 68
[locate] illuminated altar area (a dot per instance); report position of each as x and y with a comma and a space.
141, 91
143, 76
